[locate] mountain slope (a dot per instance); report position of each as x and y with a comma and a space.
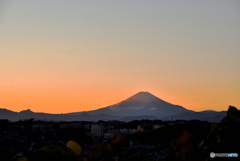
212, 116
28, 114
142, 103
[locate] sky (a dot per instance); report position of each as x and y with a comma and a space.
63, 56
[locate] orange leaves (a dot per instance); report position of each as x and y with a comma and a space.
181, 141
75, 147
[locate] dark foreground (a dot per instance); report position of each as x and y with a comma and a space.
144, 140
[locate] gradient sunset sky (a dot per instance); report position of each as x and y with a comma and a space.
60, 56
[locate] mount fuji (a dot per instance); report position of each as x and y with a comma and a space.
142, 105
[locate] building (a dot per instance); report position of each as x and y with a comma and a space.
71, 125
42, 127
97, 130
140, 128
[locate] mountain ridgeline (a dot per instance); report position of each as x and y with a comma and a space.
142, 105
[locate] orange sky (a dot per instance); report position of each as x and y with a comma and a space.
71, 56
62, 96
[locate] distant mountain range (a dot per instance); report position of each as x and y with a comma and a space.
142, 105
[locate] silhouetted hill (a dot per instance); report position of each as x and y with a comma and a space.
212, 116
27, 114
7, 114
142, 105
